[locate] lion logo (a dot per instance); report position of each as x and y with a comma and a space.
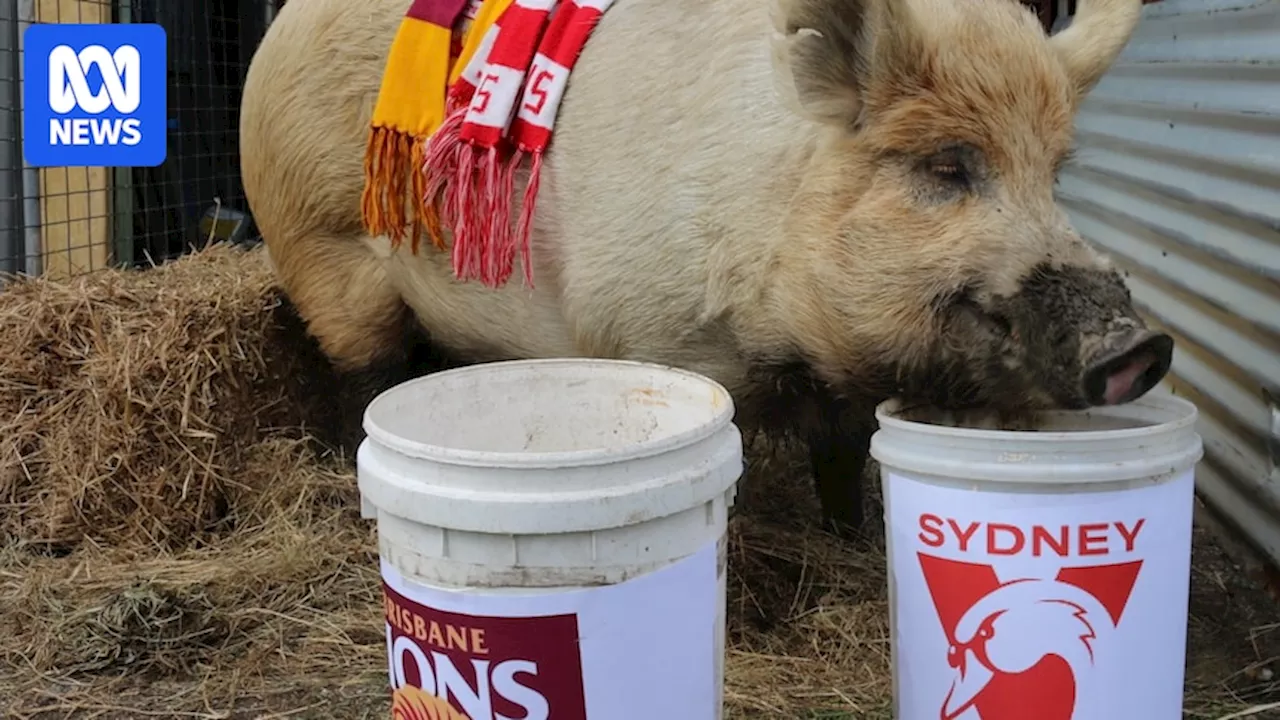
412, 703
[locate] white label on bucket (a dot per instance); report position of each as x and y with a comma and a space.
645, 648
1074, 604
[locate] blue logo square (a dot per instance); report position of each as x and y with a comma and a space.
94, 95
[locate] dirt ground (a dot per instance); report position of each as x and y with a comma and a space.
172, 546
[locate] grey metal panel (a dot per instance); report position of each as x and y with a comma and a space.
33, 241
1178, 180
10, 147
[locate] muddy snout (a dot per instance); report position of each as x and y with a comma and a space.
1129, 365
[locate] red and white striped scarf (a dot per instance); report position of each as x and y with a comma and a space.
502, 109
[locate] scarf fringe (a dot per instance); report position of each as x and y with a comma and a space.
525, 228
386, 164
500, 223
475, 189
464, 235
441, 154
387, 205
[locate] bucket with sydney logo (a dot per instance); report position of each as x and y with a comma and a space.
552, 540
1039, 573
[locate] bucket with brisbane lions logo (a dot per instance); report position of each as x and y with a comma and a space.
552, 540
1040, 572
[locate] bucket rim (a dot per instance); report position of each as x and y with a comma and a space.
1183, 414
722, 417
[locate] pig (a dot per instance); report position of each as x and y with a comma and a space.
821, 204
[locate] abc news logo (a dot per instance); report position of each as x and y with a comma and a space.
69, 90
95, 95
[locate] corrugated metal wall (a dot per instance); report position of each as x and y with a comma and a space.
1178, 178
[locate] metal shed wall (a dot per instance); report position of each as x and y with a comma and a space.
1178, 179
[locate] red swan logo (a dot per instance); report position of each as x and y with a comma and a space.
1023, 641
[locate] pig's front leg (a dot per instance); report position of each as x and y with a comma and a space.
838, 455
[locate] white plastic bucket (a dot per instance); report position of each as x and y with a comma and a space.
1043, 572
552, 535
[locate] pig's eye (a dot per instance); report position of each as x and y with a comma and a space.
952, 166
950, 173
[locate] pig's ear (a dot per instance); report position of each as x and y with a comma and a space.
1097, 35
828, 53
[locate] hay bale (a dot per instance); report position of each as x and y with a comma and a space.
130, 398
170, 520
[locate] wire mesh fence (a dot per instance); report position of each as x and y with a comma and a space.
65, 221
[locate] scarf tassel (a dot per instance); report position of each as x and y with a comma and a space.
387, 161
470, 189
441, 156
477, 203
525, 228
463, 199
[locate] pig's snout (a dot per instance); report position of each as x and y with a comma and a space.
1130, 364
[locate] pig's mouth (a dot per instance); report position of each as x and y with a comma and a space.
1128, 374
